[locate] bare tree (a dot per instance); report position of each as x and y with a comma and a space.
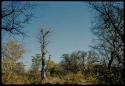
43, 39
15, 15
109, 29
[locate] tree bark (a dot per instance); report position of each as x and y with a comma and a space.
43, 74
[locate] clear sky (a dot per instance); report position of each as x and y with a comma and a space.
70, 21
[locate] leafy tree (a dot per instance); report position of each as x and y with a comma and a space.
36, 62
34, 72
11, 52
20, 68
73, 62
53, 68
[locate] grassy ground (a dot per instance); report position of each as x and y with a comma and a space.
69, 80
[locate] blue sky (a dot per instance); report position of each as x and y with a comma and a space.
70, 22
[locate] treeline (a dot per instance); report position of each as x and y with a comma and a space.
79, 67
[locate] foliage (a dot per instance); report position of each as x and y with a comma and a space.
53, 68
79, 67
12, 52
73, 62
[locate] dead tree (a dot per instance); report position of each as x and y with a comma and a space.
43, 39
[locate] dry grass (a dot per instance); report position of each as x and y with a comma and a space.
69, 78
